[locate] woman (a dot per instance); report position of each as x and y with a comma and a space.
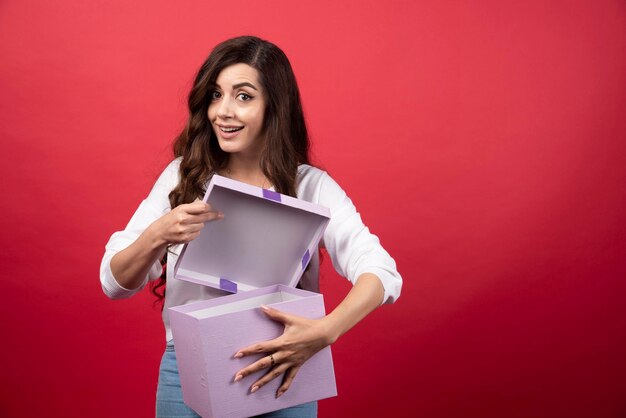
246, 123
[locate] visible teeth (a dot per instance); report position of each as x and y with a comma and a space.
223, 129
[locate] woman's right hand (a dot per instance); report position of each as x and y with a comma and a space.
179, 226
183, 223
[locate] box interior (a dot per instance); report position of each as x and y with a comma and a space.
260, 242
245, 304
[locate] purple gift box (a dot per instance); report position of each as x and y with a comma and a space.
258, 252
208, 334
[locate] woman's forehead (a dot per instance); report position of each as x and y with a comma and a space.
238, 74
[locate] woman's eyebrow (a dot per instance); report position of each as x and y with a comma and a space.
236, 86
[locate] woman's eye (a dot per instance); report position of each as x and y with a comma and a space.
215, 95
243, 96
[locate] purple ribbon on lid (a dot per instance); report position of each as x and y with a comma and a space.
268, 194
305, 259
227, 285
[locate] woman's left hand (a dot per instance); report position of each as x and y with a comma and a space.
301, 339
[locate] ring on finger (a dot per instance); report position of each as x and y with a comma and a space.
272, 361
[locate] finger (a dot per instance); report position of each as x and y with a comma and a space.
182, 215
189, 232
186, 236
193, 229
264, 362
196, 207
270, 346
190, 237
287, 380
276, 315
269, 376
186, 227
200, 219
208, 216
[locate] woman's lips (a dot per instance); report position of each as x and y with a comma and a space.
229, 132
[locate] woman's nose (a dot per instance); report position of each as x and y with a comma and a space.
225, 109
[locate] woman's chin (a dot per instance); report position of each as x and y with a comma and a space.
228, 146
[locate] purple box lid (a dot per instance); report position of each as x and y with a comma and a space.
266, 238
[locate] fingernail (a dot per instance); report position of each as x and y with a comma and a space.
239, 355
279, 394
265, 308
254, 389
238, 378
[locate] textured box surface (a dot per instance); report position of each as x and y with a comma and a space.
207, 334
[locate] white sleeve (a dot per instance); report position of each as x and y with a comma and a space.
151, 208
353, 249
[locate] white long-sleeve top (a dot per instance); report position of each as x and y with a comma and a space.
352, 248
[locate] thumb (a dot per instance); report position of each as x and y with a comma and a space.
276, 315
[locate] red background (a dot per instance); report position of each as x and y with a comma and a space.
482, 141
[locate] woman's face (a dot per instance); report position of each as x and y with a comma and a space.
236, 111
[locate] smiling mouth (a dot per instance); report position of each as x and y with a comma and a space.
230, 129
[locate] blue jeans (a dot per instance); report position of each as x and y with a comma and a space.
169, 402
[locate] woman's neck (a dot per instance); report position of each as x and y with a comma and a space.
247, 171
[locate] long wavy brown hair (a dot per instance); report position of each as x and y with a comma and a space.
284, 128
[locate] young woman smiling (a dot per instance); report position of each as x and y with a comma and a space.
246, 122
